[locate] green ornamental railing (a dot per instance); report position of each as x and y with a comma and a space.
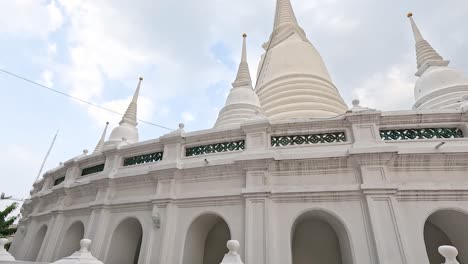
282, 141
143, 159
420, 133
91, 170
59, 180
215, 148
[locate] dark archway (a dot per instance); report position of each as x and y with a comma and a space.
36, 244
206, 240
446, 227
126, 243
318, 237
71, 240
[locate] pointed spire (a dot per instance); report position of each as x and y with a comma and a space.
127, 130
284, 14
417, 34
425, 53
242, 103
130, 115
243, 74
100, 144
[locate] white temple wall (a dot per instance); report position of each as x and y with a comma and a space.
381, 192
232, 214
345, 215
33, 244
415, 213
118, 216
69, 242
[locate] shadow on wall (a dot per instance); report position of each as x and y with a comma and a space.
206, 240
36, 244
318, 237
125, 243
71, 240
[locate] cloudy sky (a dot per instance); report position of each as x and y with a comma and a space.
188, 52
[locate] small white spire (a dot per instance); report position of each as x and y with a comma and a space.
100, 144
128, 126
425, 53
130, 115
243, 74
242, 103
284, 14
417, 34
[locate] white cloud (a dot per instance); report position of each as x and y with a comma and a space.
29, 18
187, 117
22, 164
51, 49
47, 78
392, 89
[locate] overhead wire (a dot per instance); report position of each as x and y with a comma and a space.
78, 99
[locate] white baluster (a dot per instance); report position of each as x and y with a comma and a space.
4, 255
450, 254
81, 256
232, 257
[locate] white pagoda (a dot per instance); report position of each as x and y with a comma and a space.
287, 170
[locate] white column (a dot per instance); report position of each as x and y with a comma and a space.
168, 236
256, 235
97, 230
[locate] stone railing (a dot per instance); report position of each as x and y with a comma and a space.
311, 139
230, 146
143, 159
421, 133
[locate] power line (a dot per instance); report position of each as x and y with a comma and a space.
78, 99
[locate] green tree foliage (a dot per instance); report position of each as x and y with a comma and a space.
6, 222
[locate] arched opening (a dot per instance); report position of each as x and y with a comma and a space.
36, 244
318, 237
446, 227
126, 243
71, 240
206, 240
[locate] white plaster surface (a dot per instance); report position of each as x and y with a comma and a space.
360, 201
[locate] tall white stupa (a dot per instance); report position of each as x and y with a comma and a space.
293, 81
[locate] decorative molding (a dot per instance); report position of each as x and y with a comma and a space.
215, 148
143, 159
208, 201
421, 133
307, 197
311, 139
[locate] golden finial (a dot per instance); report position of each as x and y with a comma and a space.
244, 35
409, 15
